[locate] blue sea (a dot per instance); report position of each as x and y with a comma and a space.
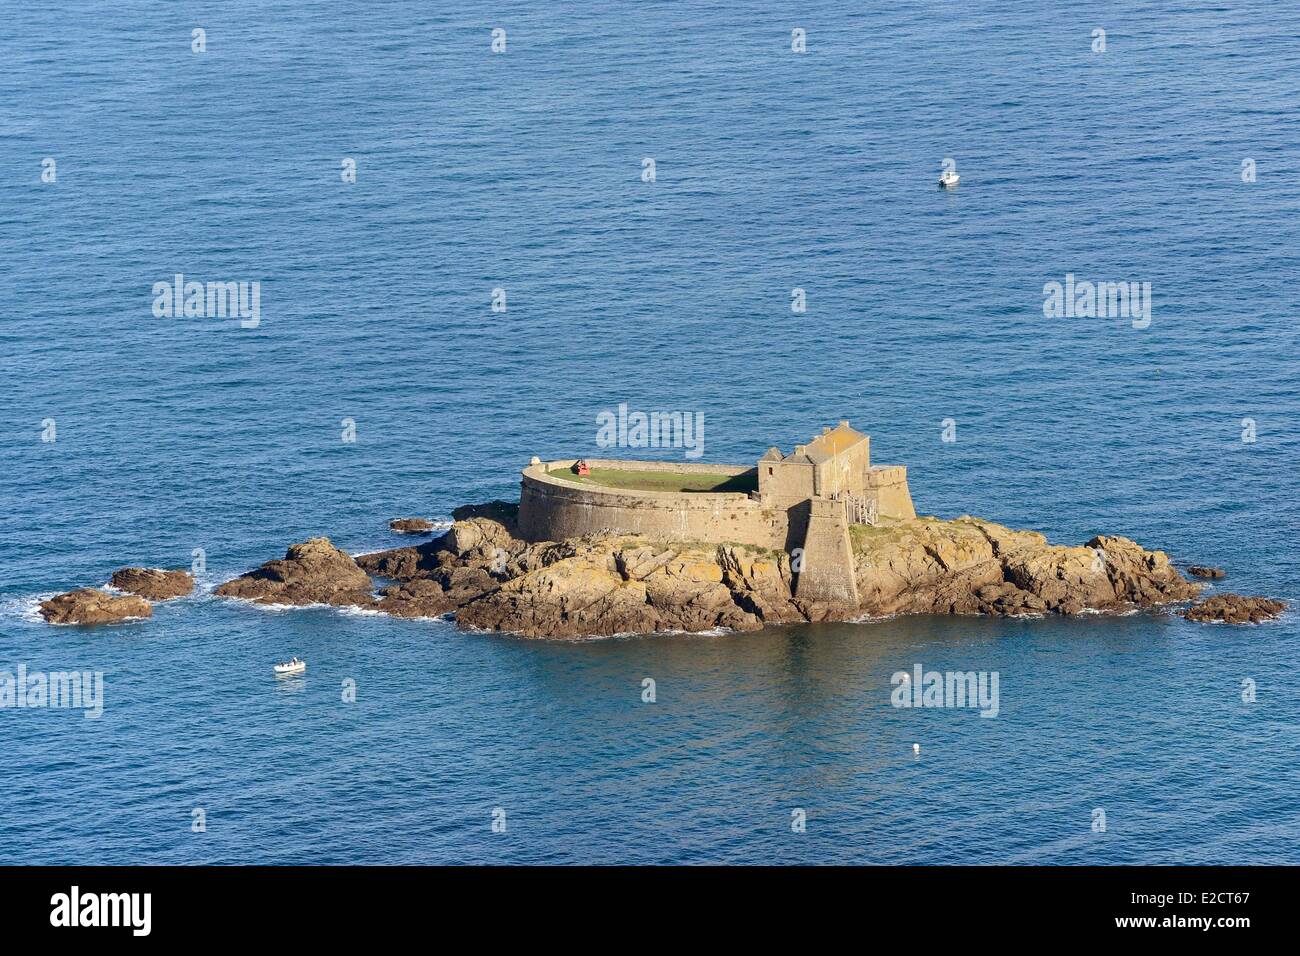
525, 171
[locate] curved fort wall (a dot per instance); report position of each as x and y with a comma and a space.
551, 508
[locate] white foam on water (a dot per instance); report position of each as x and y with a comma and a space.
348, 610
344, 610
584, 638
26, 607
710, 632
870, 618
272, 608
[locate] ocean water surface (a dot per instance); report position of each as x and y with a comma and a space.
522, 171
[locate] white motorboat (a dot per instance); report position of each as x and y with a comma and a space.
293, 666
949, 177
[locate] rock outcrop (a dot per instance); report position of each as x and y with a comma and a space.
609, 583
411, 525
612, 583
504, 513
94, 606
153, 583
313, 572
595, 586
970, 566
1235, 609
1201, 571
473, 558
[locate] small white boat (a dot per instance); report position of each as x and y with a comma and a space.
949, 177
294, 666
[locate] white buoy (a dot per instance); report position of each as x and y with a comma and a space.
916, 748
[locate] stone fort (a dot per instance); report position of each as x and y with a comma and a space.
804, 500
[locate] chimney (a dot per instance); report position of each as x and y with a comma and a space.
826, 429
799, 449
844, 423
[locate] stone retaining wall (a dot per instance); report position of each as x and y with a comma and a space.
551, 509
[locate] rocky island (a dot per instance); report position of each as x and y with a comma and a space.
602, 547
97, 606
94, 606
481, 572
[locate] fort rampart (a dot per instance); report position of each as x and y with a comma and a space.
554, 508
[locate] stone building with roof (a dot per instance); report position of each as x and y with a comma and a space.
837, 465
